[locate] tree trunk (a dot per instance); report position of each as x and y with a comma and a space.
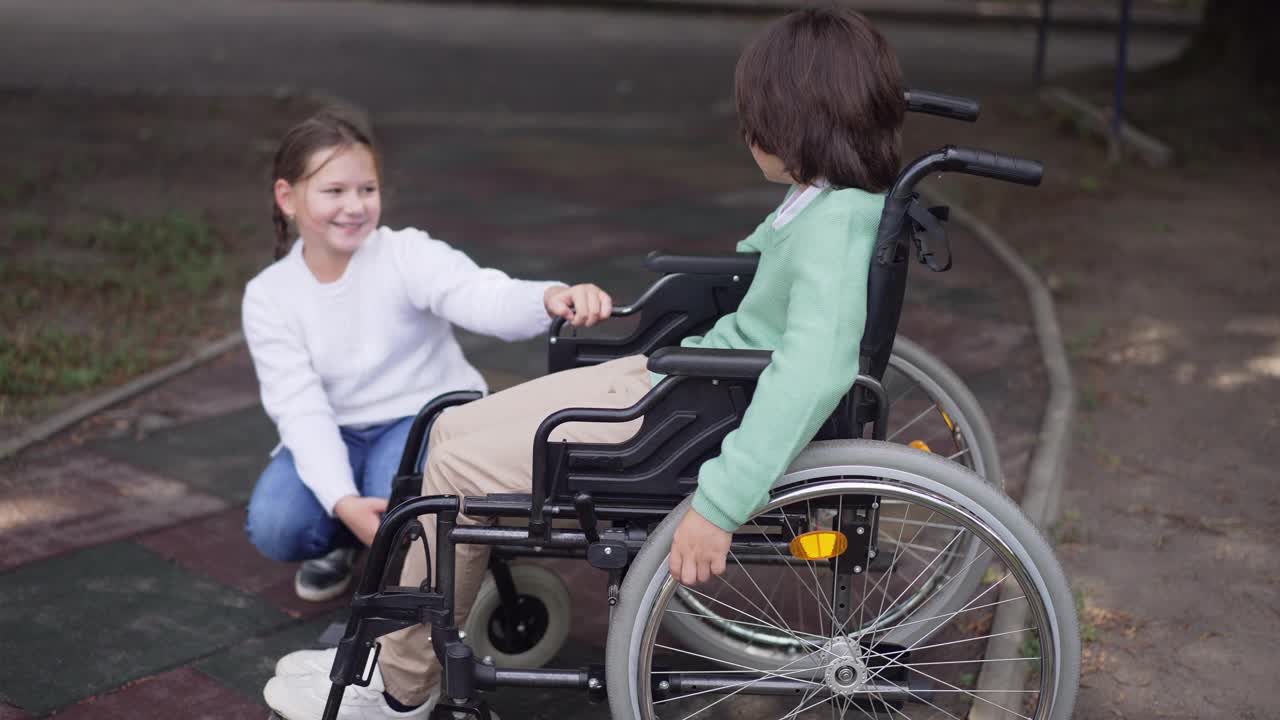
1239, 38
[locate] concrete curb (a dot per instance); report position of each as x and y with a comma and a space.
80, 411
1016, 14
1044, 481
1097, 120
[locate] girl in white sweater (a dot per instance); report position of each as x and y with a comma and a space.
350, 333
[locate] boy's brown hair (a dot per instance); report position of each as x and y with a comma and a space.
822, 90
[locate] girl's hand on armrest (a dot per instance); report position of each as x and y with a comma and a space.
698, 549
581, 305
361, 515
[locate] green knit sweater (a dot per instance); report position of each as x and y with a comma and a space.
808, 304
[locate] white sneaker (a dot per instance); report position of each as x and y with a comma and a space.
303, 697
318, 662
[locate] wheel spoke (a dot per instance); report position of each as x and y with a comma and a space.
953, 614
889, 574
769, 625
821, 601
949, 685
966, 567
735, 692
924, 413
748, 682
744, 622
767, 673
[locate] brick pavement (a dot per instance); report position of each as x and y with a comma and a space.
127, 587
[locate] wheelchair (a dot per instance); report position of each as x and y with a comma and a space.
868, 584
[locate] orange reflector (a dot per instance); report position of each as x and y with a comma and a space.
920, 445
819, 545
947, 419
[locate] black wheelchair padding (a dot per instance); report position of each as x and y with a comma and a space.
686, 418
408, 480
677, 306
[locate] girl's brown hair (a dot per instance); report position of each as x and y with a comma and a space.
822, 90
330, 129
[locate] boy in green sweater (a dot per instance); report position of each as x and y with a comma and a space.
819, 98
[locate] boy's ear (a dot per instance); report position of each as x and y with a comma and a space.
285, 198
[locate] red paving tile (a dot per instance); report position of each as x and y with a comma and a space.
216, 547
182, 693
79, 499
11, 713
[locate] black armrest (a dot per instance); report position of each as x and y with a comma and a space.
734, 264
706, 362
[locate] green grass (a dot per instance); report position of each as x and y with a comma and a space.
54, 360
1088, 631
18, 188
1030, 645
1086, 343
94, 303
27, 227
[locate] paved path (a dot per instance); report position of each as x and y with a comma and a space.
126, 585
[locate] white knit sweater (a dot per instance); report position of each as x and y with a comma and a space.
376, 344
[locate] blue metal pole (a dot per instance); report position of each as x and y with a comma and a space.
1042, 43
1122, 68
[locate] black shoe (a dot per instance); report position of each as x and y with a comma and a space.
325, 578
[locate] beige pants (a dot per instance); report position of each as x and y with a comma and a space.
486, 447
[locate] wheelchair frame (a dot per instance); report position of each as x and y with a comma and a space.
638, 482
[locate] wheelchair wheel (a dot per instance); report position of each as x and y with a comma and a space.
543, 618
852, 653
930, 404
931, 407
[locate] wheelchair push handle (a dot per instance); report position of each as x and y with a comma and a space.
993, 165
969, 161
947, 106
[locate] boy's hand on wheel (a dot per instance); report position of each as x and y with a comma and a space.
361, 515
581, 305
698, 549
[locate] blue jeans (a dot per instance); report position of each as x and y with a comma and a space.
287, 523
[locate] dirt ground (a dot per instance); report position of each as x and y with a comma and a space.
1169, 299
109, 206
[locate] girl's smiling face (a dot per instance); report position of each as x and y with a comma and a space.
337, 203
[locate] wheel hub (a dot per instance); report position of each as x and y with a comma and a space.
531, 618
846, 670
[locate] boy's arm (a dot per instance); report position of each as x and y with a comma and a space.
751, 243
446, 282
814, 365
294, 398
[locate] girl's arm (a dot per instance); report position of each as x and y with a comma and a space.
449, 284
294, 398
